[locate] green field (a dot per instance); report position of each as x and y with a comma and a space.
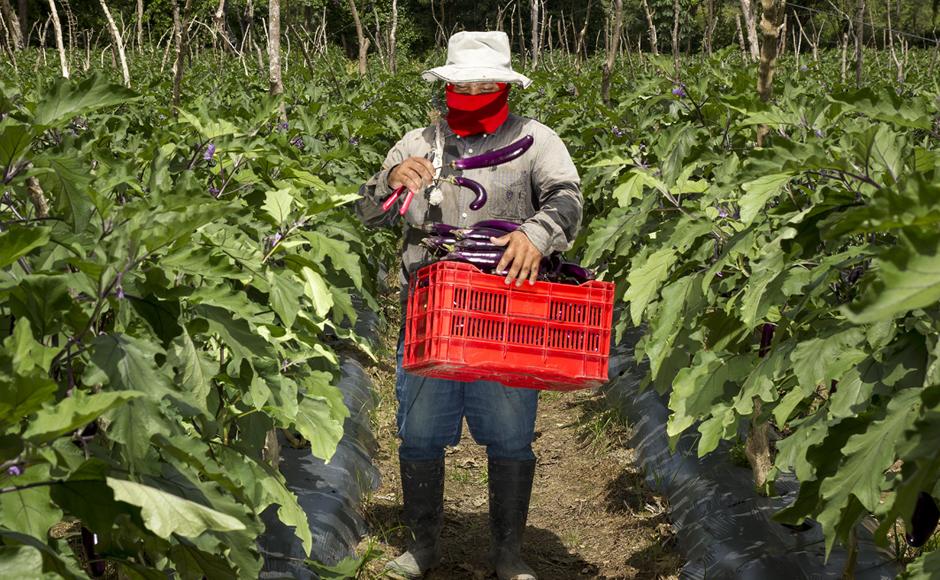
176, 282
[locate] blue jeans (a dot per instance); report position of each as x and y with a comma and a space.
430, 413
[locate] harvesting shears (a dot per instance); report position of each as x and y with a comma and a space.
406, 203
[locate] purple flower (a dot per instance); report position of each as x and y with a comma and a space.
722, 212
276, 238
617, 131
213, 190
819, 133
679, 91
804, 68
298, 142
210, 151
120, 293
354, 141
283, 126
15, 471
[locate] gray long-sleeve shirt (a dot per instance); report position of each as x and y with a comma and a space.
540, 189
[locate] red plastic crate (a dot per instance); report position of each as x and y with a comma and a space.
465, 325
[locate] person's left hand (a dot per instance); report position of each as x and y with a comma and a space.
521, 257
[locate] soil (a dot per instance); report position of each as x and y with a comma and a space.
590, 516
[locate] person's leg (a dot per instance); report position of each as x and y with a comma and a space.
503, 419
429, 418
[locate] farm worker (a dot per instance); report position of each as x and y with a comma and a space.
541, 191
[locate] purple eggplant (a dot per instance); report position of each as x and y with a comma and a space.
477, 246
476, 233
475, 187
575, 271
484, 260
496, 156
440, 229
497, 225
923, 521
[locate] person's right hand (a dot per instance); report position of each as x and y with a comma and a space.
414, 173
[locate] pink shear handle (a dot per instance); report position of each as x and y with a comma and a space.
407, 203
388, 203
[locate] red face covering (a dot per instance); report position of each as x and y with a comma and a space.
473, 114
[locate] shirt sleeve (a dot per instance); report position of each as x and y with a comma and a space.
557, 187
376, 190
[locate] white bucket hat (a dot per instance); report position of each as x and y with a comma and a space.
474, 57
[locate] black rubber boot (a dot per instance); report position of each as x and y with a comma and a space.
422, 485
510, 490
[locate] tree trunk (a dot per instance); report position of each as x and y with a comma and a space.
377, 37
612, 49
8, 45
710, 23
770, 24
750, 26
894, 55
363, 41
13, 23
845, 51
534, 15
274, 49
218, 23
57, 27
580, 45
521, 39
23, 9
181, 33
654, 41
440, 37
859, 42
140, 24
117, 40
392, 40
675, 36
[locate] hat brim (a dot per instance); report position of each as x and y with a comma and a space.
476, 74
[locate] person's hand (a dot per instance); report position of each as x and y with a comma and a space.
521, 257
414, 173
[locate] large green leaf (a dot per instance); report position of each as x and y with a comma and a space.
15, 138
320, 415
699, 386
285, 296
195, 369
19, 241
68, 179
68, 98
73, 412
165, 514
21, 562
238, 334
645, 279
57, 565
130, 364
908, 278
317, 290
278, 204
29, 510
666, 327
758, 192
867, 456
925, 567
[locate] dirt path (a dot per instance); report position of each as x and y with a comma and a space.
590, 515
